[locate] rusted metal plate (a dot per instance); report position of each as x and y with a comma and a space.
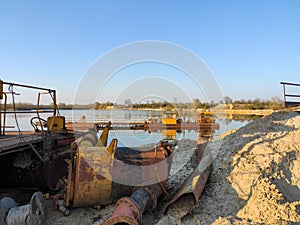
92, 181
140, 166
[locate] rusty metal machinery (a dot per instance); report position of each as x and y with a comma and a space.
89, 171
56, 123
97, 175
129, 210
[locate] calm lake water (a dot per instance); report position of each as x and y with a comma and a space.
125, 137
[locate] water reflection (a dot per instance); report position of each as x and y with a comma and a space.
140, 137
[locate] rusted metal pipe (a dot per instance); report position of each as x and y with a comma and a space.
129, 210
190, 192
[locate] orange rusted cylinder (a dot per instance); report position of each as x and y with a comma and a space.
126, 212
129, 210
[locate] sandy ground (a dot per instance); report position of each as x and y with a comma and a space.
255, 179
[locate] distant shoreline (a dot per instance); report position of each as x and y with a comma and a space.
215, 111
262, 112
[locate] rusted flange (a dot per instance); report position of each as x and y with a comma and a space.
126, 212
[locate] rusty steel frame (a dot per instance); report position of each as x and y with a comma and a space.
49, 91
289, 103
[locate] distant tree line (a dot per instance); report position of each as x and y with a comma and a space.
154, 105
99, 106
273, 103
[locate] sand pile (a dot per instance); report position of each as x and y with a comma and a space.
256, 175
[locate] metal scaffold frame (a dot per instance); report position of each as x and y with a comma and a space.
4, 95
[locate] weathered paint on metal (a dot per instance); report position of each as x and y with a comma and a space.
112, 146
92, 181
91, 173
104, 136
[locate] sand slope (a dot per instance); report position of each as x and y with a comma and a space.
256, 175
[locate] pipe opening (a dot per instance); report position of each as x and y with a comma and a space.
181, 206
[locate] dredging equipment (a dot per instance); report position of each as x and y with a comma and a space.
84, 170
100, 175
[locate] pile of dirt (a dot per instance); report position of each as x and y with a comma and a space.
255, 176
255, 179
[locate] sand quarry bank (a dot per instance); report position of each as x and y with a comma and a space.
255, 179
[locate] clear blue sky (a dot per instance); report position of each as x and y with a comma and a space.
249, 45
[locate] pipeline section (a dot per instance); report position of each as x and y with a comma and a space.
129, 210
191, 190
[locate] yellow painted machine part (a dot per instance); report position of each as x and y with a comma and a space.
56, 123
169, 134
104, 136
168, 120
112, 146
93, 181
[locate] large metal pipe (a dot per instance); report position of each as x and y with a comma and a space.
191, 190
129, 210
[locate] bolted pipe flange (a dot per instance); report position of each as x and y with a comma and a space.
126, 212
